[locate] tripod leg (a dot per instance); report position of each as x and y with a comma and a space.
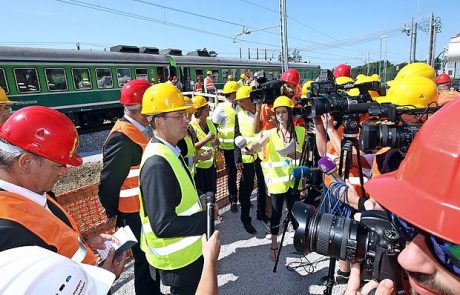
286, 223
330, 277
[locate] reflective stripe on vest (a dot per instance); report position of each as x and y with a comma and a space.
246, 125
44, 224
128, 201
204, 164
226, 133
276, 168
209, 83
176, 252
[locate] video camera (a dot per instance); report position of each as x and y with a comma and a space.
373, 241
374, 134
266, 91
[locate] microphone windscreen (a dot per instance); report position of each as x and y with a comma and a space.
300, 172
240, 141
326, 165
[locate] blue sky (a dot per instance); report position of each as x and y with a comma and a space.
326, 32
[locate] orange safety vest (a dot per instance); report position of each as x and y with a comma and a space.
198, 87
209, 83
128, 201
52, 230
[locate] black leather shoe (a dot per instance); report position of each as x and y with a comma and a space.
249, 228
234, 207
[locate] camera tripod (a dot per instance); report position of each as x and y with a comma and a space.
349, 141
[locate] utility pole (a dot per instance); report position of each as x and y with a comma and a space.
368, 63
385, 60
435, 27
284, 43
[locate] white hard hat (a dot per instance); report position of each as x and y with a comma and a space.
34, 270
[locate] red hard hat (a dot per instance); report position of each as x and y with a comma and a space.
132, 92
44, 132
291, 76
443, 78
425, 190
342, 70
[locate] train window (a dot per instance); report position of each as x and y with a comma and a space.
142, 74
225, 74
124, 75
215, 76
104, 78
235, 75
3, 81
56, 80
81, 79
26, 80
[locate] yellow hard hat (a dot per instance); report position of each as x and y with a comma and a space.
199, 102
360, 79
413, 90
188, 102
243, 92
208, 73
417, 69
229, 77
4, 99
306, 89
343, 80
283, 101
230, 87
242, 76
162, 98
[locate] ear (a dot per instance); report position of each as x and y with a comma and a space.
26, 162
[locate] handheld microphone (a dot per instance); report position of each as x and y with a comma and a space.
241, 142
210, 204
300, 172
329, 168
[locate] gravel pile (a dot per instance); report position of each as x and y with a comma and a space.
91, 143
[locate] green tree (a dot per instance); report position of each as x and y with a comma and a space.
293, 56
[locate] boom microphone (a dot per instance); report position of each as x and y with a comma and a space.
241, 142
300, 172
210, 204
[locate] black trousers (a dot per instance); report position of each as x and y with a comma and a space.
261, 189
246, 187
143, 281
206, 180
277, 209
185, 280
230, 166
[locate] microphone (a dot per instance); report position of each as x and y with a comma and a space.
241, 142
210, 203
300, 172
329, 168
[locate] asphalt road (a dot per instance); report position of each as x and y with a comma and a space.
245, 266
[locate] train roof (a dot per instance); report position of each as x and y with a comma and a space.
77, 56
70, 55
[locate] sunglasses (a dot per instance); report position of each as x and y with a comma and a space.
446, 253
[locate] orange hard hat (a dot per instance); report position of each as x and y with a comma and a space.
44, 132
443, 78
291, 76
425, 190
133, 91
342, 70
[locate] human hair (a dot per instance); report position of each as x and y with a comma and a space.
290, 125
134, 109
7, 159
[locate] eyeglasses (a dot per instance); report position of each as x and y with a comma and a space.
178, 117
446, 253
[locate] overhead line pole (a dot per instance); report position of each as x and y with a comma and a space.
284, 42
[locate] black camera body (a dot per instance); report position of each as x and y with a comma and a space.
266, 92
373, 241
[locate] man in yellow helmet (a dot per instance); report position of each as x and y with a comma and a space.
5, 106
172, 217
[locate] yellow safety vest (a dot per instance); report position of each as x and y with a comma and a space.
276, 168
190, 153
226, 133
177, 252
246, 126
204, 164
